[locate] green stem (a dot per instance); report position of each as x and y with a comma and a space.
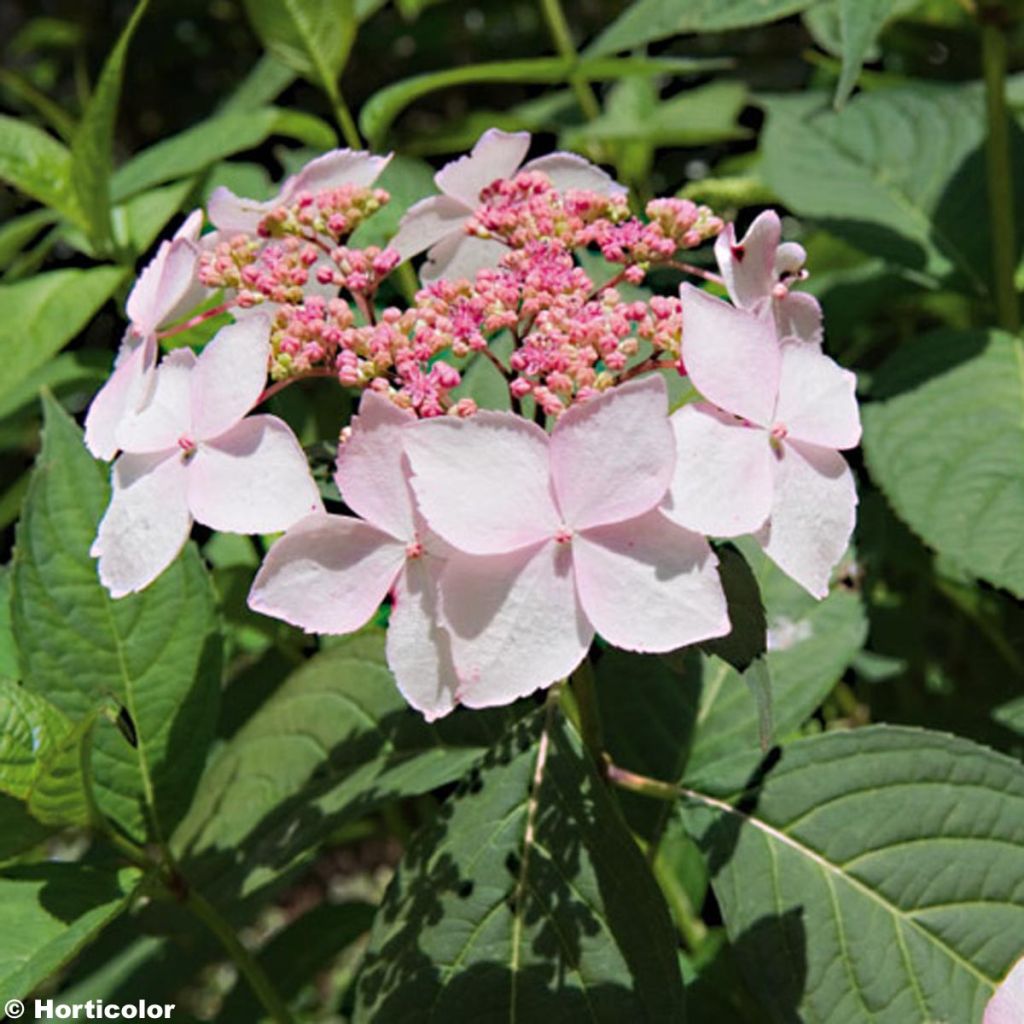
692, 928
562, 37
347, 124
642, 784
1000, 179
243, 959
585, 694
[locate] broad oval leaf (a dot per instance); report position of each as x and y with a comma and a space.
876, 874
952, 470
157, 653
526, 899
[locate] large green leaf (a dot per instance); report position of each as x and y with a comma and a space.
38, 165
649, 20
873, 875
946, 445
31, 729
93, 144
43, 313
17, 232
221, 136
157, 653
335, 741
526, 899
898, 173
50, 912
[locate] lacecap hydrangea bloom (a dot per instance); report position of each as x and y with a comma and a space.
503, 540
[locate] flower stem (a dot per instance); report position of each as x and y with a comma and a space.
280, 385
1000, 179
347, 124
642, 784
562, 37
207, 314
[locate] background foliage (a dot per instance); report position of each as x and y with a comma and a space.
868, 866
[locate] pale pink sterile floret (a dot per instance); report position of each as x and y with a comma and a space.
558, 537
329, 573
193, 454
761, 455
167, 288
439, 223
232, 214
1007, 1005
759, 271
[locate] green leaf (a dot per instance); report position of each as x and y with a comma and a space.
649, 20
50, 912
868, 875
138, 221
747, 640
17, 232
93, 144
860, 23
526, 899
31, 730
77, 373
407, 180
61, 794
267, 79
953, 473
217, 138
897, 173
43, 313
333, 742
38, 165
8, 650
313, 37
381, 109
157, 653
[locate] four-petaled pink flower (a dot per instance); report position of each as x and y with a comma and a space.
234, 215
329, 573
560, 536
439, 222
166, 288
190, 454
1007, 1005
766, 460
758, 272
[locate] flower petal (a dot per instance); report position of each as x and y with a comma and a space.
798, 316
732, 356
167, 286
418, 649
722, 485
146, 524
748, 266
813, 514
514, 621
327, 574
164, 417
569, 171
229, 377
497, 154
649, 585
817, 398
482, 483
254, 478
428, 222
235, 215
1007, 1005
354, 167
126, 389
461, 256
612, 456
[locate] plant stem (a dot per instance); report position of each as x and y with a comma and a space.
347, 124
642, 784
562, 37
1000, 179
585, 693
243, 959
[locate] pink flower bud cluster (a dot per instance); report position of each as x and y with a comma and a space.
335, 212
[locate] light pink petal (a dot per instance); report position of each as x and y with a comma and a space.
790, 258
482, 484
497, 154
146, 524
612, 456
569, 171
461, 256
1007, 1005
164, 418
230, 375
514, 621
371, 473
817, 398
813, 514
252, 479
339, 167
748, 266
649, 585
418, 649
798, 316
722, 485
129, 385
327, 574
235, 215
428, 222
732, 356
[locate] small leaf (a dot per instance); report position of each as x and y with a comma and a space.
17, 232
526, 899
31, 730
61, 794
860, 23
38, 165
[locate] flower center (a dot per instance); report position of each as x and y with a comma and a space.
414, 549
563, 535
188, 448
